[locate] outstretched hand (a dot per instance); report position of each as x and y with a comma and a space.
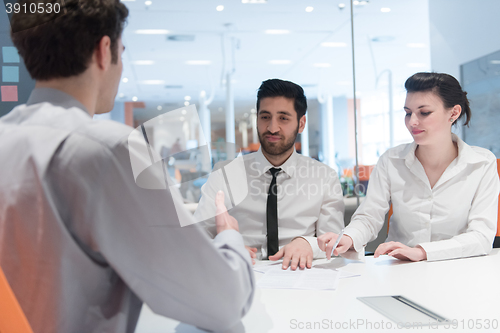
253, 253
223, 220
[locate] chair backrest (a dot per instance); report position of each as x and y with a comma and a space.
12, 318
389, 218
364, 172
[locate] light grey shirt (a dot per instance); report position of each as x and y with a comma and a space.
310, 200
82, 245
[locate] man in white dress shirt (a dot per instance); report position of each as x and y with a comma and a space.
309, 196
81, 244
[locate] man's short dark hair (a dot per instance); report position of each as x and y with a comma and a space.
60, 45
287, 89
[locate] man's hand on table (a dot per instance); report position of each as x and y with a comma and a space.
401, 251
298, 251
327, 240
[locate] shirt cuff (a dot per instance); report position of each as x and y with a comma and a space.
356, 237
232, 239
442, 250
313, 242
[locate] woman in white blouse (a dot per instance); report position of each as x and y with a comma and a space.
444, 192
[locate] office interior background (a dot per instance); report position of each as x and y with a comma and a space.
214, 54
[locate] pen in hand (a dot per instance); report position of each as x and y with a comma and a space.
337, 242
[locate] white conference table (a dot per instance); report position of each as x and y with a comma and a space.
466, 290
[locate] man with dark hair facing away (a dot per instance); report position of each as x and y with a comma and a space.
81, 244
291, 198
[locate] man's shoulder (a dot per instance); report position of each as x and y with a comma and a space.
107, 133
72, 122
317, 169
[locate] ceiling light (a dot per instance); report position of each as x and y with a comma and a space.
322, 65
159, 107
121, 95
333, 44
341, 5
385, 10
277, 31
152, 82
198, 62
495, 62
186, 103
125, 80
219, 8
360, 3
253, 1
253, 111
309, 9
187, 98
143, 62
416, 45
148, 3
184, 111
280, 62
152, 32
134, 98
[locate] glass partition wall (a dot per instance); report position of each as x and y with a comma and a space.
351, 57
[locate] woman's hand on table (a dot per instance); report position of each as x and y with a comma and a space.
401, 251
326, 242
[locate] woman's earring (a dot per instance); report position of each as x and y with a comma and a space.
451, 120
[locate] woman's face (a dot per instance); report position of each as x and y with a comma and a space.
427, 119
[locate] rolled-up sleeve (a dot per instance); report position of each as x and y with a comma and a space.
370, 215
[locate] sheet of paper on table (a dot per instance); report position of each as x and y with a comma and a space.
263, 268
310, 279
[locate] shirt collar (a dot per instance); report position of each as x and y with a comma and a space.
288, 167
466, 155
54, 97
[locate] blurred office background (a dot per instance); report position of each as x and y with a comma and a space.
214, 54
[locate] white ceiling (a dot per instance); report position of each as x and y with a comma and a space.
244, 24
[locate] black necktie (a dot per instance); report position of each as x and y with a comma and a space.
272, 215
